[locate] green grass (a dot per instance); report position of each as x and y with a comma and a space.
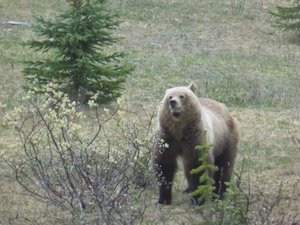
228, 48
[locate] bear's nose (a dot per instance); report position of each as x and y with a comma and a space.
173, 103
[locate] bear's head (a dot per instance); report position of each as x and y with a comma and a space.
180, 102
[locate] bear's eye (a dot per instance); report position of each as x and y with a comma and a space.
181, 96
170, 97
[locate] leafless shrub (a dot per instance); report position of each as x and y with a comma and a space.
246, 203
87, 176
272, 207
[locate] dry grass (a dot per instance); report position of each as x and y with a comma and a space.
235, 56
267, 153
228, 48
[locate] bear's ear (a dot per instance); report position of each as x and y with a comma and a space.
192, 87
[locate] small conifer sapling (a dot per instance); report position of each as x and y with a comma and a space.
73, 48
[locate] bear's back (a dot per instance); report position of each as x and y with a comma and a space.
223, 124
213, 105
218, 109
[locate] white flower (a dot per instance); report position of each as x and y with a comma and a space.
92, 104
95, 97
106, 110
166, 145
2, 105
120, 101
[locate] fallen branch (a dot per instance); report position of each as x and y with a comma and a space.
14, 23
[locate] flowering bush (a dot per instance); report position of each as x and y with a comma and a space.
69, 161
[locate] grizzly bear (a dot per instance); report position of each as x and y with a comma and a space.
184, 122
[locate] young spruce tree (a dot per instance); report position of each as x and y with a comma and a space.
287, 17
77, 62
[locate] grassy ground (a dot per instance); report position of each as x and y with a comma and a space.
228, 48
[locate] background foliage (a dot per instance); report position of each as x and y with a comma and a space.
287, 17
75, 41
229, 48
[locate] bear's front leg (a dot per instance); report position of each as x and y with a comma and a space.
191, 161
165, 193
165, 166
193, 180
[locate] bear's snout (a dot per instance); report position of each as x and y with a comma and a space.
175, 108
173, 104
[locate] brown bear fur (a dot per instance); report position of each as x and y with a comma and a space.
185, 121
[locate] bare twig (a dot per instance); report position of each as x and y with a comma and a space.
14, 23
